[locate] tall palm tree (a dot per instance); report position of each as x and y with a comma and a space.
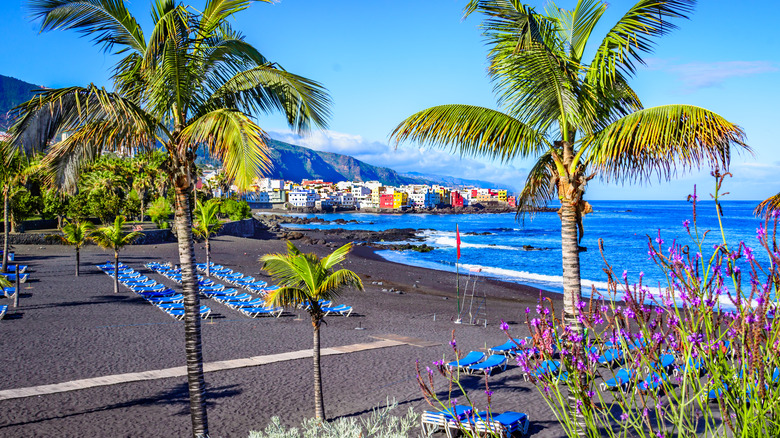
114, 237
578, 119
77, 233
193, 82
207, 224
305, 279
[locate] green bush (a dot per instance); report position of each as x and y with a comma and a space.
160, 211
24, 204
104, 204
235, 210
379, 425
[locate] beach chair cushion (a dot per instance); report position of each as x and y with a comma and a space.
470, 359
489, 364
341, 309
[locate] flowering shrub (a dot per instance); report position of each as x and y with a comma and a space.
695, 356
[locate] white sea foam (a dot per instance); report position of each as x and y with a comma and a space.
451, 242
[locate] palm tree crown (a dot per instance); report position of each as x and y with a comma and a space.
305, 279
76, 233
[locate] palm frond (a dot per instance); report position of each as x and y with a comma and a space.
471, 131
206, 221
287, 296
107, 22
266, 88
335, 282
768, 207
76, 233
67, 110
633, 35
113, 236
217, 11
661, 140
233, 138
337, 256
540, 186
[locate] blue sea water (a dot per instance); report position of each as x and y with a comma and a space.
624, 227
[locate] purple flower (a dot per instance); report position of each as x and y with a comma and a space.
761, 233
504, 326
687, 225
488, 392
624, 416
535, 322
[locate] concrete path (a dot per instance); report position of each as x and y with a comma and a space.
209, 367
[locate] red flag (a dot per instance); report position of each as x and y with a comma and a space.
457, 239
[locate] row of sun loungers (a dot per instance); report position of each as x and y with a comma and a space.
242, 302
253, 285
155, 293
461, 417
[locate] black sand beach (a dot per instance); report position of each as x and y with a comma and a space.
69, 328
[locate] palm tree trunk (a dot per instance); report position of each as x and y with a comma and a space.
77, 261
5, 230
319, 408
142, 206
208, 258
192, 335
116, 272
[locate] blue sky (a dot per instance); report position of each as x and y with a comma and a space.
384, 60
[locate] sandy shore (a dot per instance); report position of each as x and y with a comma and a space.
69, 328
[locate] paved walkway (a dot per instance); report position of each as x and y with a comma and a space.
209, 367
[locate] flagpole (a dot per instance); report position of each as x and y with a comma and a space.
457, 268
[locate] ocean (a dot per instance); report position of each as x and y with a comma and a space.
492, 244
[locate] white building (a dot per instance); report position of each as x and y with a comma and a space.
302, 198
268, 184
424, 199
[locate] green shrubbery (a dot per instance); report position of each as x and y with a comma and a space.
160, 211
379, 425
235, 210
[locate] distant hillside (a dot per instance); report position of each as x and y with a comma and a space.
12, 93
295, 163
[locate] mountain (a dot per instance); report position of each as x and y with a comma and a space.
12, 93
295, 163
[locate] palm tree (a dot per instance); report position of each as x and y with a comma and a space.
115, 238
577, 119
15, 169
193, 82
207, 224
305, 279
77, 233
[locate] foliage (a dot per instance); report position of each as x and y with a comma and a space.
104, 204
55, 204
381, 424
206, 222
76, 233
114, 237
160, 211
715, 317
24, 205
132, 204
235, 210
78, 206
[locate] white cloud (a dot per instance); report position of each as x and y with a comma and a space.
406, 159
696, 75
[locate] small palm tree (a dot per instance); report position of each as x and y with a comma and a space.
113, 237
76, 233
305, 279
207, 224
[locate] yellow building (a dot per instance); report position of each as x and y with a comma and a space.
502, 195
400, 199
444, 196
376, 193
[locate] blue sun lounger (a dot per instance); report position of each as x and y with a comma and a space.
257, 302
341, 309
488, 365
17, 268
12, 277
10, 255
158, 293
9, 291
547, 367
504, 424
508, 348
178, 298
653, 382
447, 419
255, 312
153, 288
212, 288
256, 284
622, 379
239, 297
178, 313
220, 293
470, 359
3, 309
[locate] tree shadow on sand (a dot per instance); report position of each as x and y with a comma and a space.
175, 396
